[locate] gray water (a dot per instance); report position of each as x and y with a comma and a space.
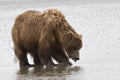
97, 20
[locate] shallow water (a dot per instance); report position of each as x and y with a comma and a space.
97, 21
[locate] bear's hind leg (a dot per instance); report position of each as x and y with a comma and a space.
21, 54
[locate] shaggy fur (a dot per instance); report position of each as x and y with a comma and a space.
44, 35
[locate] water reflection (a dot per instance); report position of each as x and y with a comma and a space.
38, 73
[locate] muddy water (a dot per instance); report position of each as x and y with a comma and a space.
97, 21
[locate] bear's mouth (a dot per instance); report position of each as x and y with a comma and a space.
75, 59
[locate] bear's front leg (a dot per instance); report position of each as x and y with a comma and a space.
45, 56
60, 56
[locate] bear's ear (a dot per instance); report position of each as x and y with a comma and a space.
70, 33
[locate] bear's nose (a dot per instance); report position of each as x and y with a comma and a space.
76, 58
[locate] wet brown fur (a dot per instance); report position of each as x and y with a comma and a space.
44, 35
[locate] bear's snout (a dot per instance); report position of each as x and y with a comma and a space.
76, 59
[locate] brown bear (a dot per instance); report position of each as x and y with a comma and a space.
45, 35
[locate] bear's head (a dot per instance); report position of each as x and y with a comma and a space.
74, 44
